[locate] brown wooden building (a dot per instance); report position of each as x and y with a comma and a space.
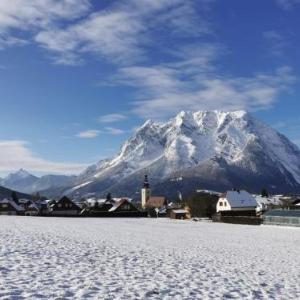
64, 207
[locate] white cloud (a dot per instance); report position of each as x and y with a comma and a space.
89, 134
287, 4
111, 118
16, 154
165, 90
19, 14
121, 32
114, 131
35, 15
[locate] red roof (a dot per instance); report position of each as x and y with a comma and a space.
156, 202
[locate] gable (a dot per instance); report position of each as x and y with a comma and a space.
65, 204
123, 205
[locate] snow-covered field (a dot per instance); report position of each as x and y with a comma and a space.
57, 258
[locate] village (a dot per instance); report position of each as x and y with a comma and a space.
234, 206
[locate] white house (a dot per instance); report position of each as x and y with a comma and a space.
236, 201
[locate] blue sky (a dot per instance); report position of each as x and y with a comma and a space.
77, 76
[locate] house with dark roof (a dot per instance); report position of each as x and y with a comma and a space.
111, 207
123, 205
97, 207
63, 207
32, 210
9, 207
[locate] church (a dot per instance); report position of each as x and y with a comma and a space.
151, 203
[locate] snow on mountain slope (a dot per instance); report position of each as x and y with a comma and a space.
232, 141
19, 180
25, 182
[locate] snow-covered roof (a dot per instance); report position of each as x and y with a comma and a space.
180, 211
118, 203
24, 200
267, 200
240, 199
209, 192
12, 203
33, 206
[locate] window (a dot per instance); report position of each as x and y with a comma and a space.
126, 207
225, 203
59, 205
221, 203
4, 205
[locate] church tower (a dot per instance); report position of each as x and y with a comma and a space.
146, 192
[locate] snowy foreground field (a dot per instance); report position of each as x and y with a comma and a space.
57, 258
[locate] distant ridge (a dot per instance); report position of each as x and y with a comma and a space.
6, 193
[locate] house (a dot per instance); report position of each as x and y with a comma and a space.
125, 208
9, 207
282, 217
236, 203
156, 202
63, 207
25, 203
32, 210
44, 206
180, 214
98, 207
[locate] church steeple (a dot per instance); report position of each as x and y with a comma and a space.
146, 191
146, 182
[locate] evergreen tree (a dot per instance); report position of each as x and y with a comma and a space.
36, 197
264, 193
14, 197
108, 197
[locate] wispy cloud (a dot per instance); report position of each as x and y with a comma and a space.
121, 32
16, 154
287, 4
167, 89
35, 15
111, 118
88, 134
114, 131
277, 44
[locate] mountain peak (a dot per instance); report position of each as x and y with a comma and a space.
21, 173
249, 153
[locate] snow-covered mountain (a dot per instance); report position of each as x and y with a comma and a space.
19, 180
25, 182
204, 149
